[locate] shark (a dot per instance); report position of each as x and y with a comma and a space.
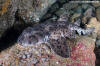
55, 34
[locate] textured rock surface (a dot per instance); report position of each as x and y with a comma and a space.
14, 12
98, 42
98, 13
7, 15
97, 52
98, 35
34, 9
96, 4
25, 11
94, 23
82, 54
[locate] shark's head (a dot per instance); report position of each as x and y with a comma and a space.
27, 37
30, 37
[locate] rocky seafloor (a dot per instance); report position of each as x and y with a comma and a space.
16, 15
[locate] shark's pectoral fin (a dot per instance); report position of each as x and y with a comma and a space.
60, 47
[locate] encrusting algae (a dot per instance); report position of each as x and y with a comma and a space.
4, 7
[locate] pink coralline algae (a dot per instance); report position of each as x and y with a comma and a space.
75, 64
82, 54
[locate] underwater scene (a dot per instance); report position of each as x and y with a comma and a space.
49, 33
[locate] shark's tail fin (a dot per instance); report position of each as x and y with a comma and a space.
86, 31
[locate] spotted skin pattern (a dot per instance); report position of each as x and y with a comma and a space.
60, 47
54, 34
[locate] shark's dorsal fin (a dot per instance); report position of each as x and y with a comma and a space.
77, 22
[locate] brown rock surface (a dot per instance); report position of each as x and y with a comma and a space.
81, 54
94, 23
96, 4
98, 14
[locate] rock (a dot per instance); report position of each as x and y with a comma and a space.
4, 6
96, 4
85, 6
34, 9
88, 12
98, 14
97, 61
97, 52
72, 6
62, 1
98, 35
13, 11
81, 54
60, 11
7, 14
29, 55
1, 32
61, 8
93, 35
54, 7
94, 23
79, 10
87, 15
74, 16
98, 43
42, 55
66, 9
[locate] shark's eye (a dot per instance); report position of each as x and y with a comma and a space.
32, 39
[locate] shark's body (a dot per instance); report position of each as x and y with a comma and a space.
53, 33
